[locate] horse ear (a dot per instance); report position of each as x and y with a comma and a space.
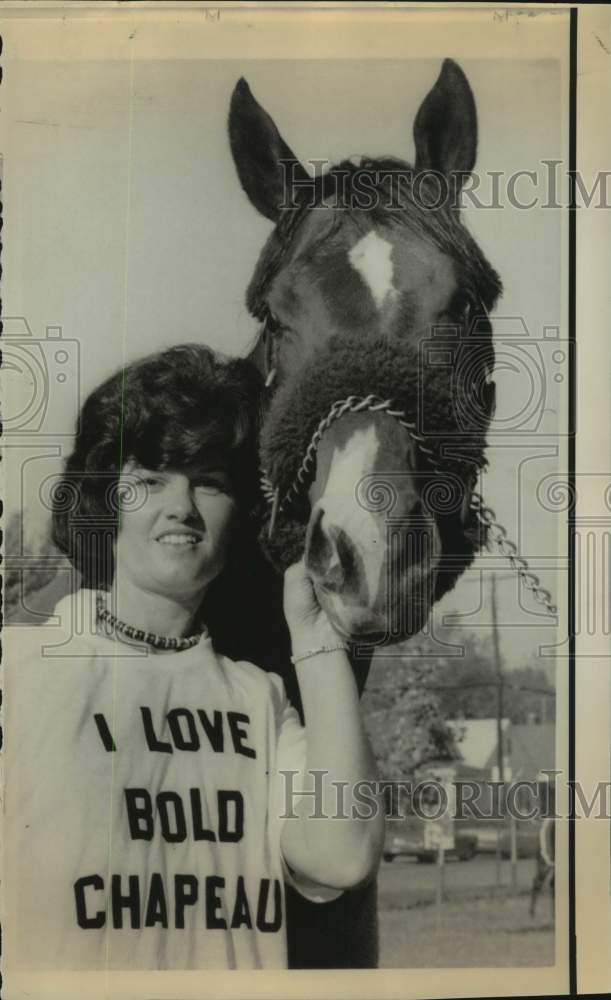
266, 165
445, 129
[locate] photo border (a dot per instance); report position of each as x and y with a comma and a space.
573, 732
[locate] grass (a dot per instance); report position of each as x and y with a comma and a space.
484, 931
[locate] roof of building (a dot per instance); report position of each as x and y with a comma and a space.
478, 745
532, 749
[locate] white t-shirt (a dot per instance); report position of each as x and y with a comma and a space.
143, 806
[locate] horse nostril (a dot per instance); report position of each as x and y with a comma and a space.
342, 571
347, 557
319, 549
330, 555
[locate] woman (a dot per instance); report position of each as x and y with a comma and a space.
150, 826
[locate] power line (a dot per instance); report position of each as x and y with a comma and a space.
500, 576
474, 684
402, 688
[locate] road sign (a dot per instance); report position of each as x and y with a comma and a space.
439, 829
439, 833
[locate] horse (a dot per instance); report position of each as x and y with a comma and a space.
340, 276
375, 341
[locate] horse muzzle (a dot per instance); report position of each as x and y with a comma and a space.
374, 585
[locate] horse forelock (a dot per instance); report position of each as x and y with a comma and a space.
398, 204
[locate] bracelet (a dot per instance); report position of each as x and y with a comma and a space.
321, 649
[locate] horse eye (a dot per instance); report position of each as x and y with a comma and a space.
461, 306
272, 324
464, 304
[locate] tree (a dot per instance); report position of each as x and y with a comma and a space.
32, 563
403, 717
468, 687
410, 698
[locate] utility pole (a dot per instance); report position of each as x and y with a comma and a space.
499, 720
498, 664
499, 677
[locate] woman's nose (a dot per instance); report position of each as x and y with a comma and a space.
180, 499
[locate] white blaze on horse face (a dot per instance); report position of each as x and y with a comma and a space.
372, 258
347, 465
364, 579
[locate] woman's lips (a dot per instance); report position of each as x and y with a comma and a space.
180, 538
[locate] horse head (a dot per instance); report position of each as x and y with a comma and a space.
367, 283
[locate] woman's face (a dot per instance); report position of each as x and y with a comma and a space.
173, 534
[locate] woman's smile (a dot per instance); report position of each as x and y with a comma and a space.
180, 539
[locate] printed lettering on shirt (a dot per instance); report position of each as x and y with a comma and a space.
131, 901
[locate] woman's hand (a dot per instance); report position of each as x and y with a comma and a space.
307, 622
315, 846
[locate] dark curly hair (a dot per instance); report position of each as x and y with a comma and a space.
170, 410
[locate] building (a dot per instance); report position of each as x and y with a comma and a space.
528, 754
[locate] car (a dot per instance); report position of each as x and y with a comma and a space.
527, 839
405, 838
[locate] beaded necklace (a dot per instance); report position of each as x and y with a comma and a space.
177, 643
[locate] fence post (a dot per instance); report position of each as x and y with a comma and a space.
513, 833
440, 885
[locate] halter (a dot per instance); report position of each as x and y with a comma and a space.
373, 404
496, 532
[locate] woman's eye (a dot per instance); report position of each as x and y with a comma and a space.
149, 481
211, 484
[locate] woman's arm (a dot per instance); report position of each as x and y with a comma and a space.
318, 843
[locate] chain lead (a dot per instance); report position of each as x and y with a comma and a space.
356, 404
508, 549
